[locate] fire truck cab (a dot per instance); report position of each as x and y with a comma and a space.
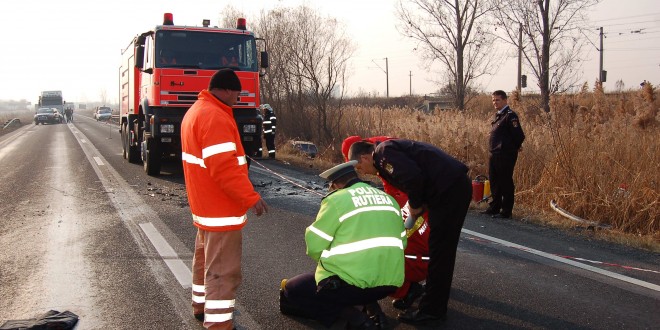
163, 71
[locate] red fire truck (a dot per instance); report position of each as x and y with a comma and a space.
164, 69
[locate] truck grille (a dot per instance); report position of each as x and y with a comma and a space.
178, 97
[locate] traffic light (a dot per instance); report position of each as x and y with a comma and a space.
523, 81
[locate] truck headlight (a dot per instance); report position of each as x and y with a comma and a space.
167, 128
250, 129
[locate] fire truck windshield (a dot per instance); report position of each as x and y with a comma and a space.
205, 50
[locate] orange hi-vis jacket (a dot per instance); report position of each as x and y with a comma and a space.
214, 166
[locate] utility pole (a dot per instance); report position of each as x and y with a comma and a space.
601, 74
410, 76
387, 78
387, 75
518, 87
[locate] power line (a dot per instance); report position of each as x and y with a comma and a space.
626, 17
589, 40
633, 66
638, 58
630, 23
635, 49
632, 31
632, 40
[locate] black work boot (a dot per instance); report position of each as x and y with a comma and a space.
414, 292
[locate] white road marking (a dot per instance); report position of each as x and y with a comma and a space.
98, 161
136, 213
170, 257
566, 261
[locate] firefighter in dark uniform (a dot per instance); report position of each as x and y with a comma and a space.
434, 182
269, 129
506, 138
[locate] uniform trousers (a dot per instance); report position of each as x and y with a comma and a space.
415, 272
416, 269
446, 217
326, 302
270, 144
500, 174
216, 276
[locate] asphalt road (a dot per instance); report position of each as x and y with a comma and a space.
82, 230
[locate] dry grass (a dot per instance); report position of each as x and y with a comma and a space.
286, 153
595, 154
25, 116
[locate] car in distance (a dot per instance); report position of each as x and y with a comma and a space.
103, 113
306, 148
47, 116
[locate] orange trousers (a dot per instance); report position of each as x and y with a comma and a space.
216, 274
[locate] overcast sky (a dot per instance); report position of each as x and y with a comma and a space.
75, 46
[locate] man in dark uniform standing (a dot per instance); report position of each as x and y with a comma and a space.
434, 182
269, 129
506, 138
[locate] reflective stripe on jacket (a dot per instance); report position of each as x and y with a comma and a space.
269, 123
214, 166
359, 236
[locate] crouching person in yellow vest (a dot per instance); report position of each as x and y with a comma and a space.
358, 240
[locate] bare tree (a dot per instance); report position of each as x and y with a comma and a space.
552, 43
453, 32
229, 16
103, 96
309, 55
278, 85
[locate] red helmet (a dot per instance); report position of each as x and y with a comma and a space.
348, 142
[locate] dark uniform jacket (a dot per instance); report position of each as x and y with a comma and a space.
506, 135
419, 169
270, 122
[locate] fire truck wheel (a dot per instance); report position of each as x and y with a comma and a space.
152, 159
124, 142
131, 152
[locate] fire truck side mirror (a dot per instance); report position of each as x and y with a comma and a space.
139, 51
139, 57
264, 59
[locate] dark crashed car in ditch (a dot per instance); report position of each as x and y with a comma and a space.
47, 116
305, 148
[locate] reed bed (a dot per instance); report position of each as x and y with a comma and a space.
596, 154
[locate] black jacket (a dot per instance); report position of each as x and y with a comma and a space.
421, 170
506, 134
270, 122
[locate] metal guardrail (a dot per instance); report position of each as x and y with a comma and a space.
12, 123
115, 119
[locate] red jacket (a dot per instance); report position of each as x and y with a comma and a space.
418, 242
214, 166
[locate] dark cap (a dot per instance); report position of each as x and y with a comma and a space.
339, 171
225, 79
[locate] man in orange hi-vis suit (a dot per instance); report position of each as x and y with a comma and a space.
417, 251
220, 194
